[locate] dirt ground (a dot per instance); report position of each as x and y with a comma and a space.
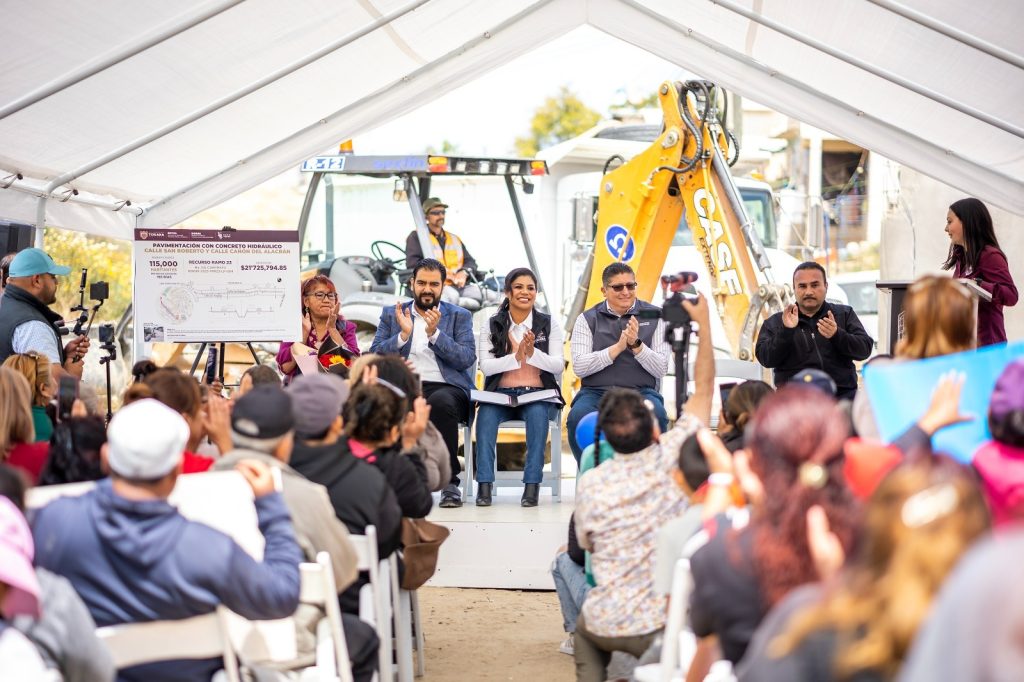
475, 634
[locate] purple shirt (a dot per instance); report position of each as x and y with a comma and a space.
348, 336
995, 277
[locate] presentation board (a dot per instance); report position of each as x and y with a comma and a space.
217, 285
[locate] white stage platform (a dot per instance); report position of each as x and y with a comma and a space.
504, 545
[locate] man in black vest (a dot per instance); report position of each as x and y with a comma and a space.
611, 347
26, 323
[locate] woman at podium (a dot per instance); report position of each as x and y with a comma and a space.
974, 253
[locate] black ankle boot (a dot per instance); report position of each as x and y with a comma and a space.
483, 494
530, 495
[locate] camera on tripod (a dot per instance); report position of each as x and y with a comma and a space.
99, 292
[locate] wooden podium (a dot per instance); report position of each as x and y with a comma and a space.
894, 291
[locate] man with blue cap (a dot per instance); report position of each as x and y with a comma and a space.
26, 321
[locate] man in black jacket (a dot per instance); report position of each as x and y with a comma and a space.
814, 333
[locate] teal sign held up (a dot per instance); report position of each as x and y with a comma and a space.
900, 392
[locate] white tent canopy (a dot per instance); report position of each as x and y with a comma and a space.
175, 107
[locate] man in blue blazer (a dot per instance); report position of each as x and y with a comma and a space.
437, 337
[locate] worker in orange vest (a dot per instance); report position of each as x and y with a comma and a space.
448, 249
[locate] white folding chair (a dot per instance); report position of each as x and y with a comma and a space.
678, 645
514, 479
318, 589
403, 623
418, 640
166, 640
368, 560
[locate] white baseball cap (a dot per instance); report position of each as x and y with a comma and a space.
146, 440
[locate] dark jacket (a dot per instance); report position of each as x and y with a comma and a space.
359, 492
20, 307
407, 477
499, 328
788, 351
137, 561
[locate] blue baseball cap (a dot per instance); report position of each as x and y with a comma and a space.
33, 261
815, 378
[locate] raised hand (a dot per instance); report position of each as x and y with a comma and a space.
257, 475
699, 311
791, 316
826, 550
526, 345
433, 318
307, 326
944, 409
404, 318
827, 326
632, 330
415, 423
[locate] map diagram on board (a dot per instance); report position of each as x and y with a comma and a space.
217, 285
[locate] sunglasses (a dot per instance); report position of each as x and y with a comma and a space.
617, 288
438, 212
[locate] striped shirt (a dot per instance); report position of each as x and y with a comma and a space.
587, 361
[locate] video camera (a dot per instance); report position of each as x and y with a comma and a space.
677, 324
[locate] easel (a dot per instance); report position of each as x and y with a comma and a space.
220, 360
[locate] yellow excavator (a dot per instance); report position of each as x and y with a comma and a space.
685, 174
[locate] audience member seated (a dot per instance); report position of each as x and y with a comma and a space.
795, 442
75, 452
376, 419
738, 410
918, 523
571, 586
257, 375
142, 369
359, 492
133, 558
973, 630
16, 430
63, 632
938, 319
262, 429
430, 446
182, 393
1000, 462
35, 367
19, 596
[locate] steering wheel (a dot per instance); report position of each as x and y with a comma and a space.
376, 252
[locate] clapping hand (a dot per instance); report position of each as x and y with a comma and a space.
404, 318
432, 318
827, 326
526, 345
631, 331
791, 316
415, 423
307, 326
944, 409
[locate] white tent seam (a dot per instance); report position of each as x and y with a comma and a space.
885, 74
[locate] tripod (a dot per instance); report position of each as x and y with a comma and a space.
108, 345
220, 362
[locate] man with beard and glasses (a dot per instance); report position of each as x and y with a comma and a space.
26, 321
437, 339
814, 333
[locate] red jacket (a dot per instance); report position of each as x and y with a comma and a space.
994, 274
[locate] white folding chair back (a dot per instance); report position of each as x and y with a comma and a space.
319, 589
167, 640
369, 561
402, 607
678, 605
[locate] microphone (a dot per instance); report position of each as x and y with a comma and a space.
677, 282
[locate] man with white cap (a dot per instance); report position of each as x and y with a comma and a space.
263, 429
26, 321
133, 558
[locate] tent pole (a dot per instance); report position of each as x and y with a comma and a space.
951, 32
114, 57
1014, 130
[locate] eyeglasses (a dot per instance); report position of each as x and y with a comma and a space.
617, 288
324, 296
440, 211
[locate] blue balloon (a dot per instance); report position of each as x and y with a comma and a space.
585, 430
